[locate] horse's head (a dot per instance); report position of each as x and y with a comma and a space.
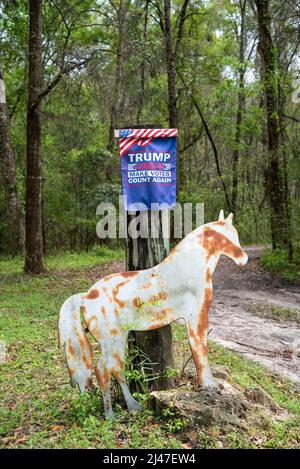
221, 237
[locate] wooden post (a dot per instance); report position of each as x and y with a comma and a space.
143, 253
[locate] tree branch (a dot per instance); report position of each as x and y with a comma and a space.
16, 103
210, 137
292, 118
182, 18
56, 80
192, 142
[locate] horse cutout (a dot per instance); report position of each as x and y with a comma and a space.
180, 287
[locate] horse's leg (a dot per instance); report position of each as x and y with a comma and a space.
197, 333
118, 371
103, 377
132, 404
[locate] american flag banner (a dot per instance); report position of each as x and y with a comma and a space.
148, 164
141, 137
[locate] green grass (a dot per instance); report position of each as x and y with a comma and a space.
38, 406
273, 311
277, 261
63, 261
39, 409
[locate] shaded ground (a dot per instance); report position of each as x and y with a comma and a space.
238, 293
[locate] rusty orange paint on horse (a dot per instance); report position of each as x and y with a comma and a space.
180, 287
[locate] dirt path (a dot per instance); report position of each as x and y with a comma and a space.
272, 343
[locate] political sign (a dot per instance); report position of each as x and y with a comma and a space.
148, 165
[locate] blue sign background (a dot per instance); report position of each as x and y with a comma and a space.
148, 178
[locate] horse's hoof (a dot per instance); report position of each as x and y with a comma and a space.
209, 384
135, 406
110, 416
211, 387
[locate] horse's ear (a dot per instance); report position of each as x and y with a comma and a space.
221, 215
230, 218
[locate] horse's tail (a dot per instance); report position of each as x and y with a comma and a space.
78, 350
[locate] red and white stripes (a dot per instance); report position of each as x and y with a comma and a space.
142, 137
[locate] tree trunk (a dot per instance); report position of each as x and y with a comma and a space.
114, 112
171, 66
143, 253
240, 111
172, 53
287, 197
275, 180
34, 236
143, 65
15, 216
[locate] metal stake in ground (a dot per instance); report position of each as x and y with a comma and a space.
143, 253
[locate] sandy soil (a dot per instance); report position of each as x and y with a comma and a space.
274, 344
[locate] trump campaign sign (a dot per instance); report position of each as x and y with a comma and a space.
148, 165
